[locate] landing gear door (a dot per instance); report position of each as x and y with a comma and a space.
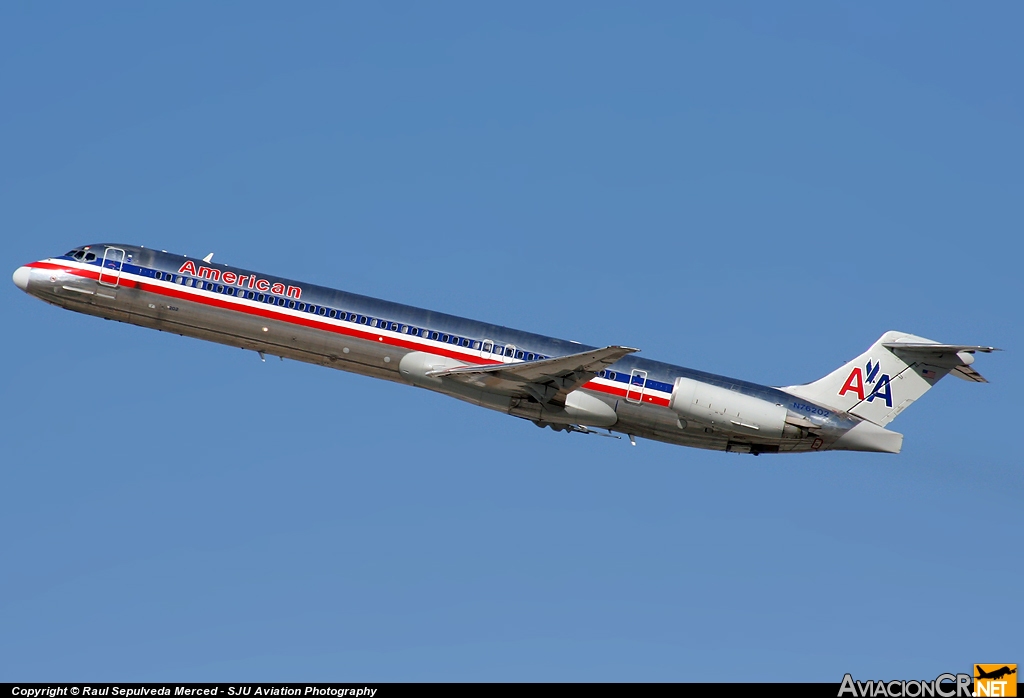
110, 271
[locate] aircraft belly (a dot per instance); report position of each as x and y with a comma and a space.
273, 337
87, 296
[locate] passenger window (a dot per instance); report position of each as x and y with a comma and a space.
529, 357
199, 284
520, 354
363, 320
333, 313
323, 310
291, 304
301, 306
281, 301
476, 345
611, 374
188, 282
509, 351
488, 347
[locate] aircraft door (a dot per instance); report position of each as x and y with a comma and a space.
110, 271
637, 383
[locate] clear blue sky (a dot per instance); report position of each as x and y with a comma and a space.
758, 190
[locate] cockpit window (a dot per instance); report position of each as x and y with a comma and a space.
89, 257
78, 254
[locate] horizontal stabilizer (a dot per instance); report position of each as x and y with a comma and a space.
968, 374
546, 380
957, 357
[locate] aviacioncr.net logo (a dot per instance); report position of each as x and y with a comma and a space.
943, 686
995, 680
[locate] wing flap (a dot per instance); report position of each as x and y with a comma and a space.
546, 380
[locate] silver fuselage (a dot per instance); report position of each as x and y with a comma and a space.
372, 337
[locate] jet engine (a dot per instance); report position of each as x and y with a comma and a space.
735, 412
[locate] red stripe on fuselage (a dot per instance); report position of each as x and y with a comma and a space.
267, 313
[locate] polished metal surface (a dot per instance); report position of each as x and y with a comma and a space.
121, 291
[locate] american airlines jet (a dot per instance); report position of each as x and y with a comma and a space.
551, 382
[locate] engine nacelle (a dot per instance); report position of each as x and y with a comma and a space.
415, 366
731, 411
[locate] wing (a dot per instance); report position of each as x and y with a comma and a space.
957, 358
547, 380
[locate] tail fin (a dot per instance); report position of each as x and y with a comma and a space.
896, 370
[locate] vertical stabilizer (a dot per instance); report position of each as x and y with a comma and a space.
883, 381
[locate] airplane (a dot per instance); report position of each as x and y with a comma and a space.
551, 382
995, 674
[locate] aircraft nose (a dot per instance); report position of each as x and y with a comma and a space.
21, 275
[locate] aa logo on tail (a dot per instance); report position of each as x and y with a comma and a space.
995, 680
858, 379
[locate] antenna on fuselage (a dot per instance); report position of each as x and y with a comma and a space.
208, 257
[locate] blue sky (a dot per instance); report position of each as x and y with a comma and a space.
751, 190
